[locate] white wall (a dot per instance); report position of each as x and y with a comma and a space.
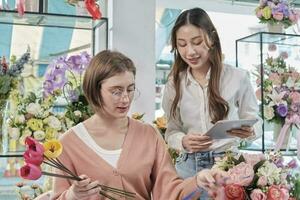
132, 32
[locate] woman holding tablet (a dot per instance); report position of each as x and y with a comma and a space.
201, 90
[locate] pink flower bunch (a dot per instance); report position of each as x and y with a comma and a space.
255, 177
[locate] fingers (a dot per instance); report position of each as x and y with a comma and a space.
243, 132
85, 187
195, 142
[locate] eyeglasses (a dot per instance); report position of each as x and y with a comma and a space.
118, 94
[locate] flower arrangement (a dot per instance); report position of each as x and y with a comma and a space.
9, 76
35, 119
37, 190
277, 11
281, 90
64, 76
47, 153
256, 177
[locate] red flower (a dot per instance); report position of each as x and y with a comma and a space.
275, 193
34, 147
31, 172
234, 192
33, 159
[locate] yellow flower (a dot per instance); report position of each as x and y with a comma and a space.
35, 124
53, 148
267, 12
161, 122
137, 116
50, 133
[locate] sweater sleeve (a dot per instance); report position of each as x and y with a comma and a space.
167, 184
61, 185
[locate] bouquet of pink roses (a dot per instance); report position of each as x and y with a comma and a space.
256, 177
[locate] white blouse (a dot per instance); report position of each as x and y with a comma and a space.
110, 156
193, 110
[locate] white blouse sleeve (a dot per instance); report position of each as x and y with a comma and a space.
174, 133
247, 104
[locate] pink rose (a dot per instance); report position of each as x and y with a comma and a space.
284, 55
253, 159
295, 97
272, 47
278, 16
275, 193
285, 192
257, 194
259, 13
241, 174
234, 192
293, 18
262, 181
275, 78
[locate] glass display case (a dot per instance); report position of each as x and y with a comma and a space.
268, 57
48, 36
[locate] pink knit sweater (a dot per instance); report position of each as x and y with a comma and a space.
144, 166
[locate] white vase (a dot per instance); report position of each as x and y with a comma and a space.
276, 131
275, 28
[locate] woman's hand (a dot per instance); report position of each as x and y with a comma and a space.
243, 132
83, 189
211, 180
195, 142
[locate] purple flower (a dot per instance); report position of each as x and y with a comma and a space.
78, 63
292, 164
57, 78
48, 88
73, 95
282, 110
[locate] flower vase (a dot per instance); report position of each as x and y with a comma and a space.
275, 28
10, 139
81, 9
276, 131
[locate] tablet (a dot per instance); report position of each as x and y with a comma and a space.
219, 130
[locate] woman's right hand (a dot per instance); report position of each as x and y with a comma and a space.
196, 142
83, 189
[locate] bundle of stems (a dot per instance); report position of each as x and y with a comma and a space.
54, 162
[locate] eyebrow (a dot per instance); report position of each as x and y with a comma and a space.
121, 87
199, 36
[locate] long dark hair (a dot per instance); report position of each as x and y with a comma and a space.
218, 107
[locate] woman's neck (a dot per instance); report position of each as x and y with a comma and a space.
105, 122
200, 73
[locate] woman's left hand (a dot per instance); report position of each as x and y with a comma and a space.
211, 179
243, 132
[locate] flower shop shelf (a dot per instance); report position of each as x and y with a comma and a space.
48, 36
273, 62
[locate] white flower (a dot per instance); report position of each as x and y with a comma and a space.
45, 114
20, 119
14, 133
77, 113
271, 172
22, 140
268, 112
34, 108
53, 122
27, 132
69, 123
39, 135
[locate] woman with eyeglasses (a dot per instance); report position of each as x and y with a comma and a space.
114, 150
